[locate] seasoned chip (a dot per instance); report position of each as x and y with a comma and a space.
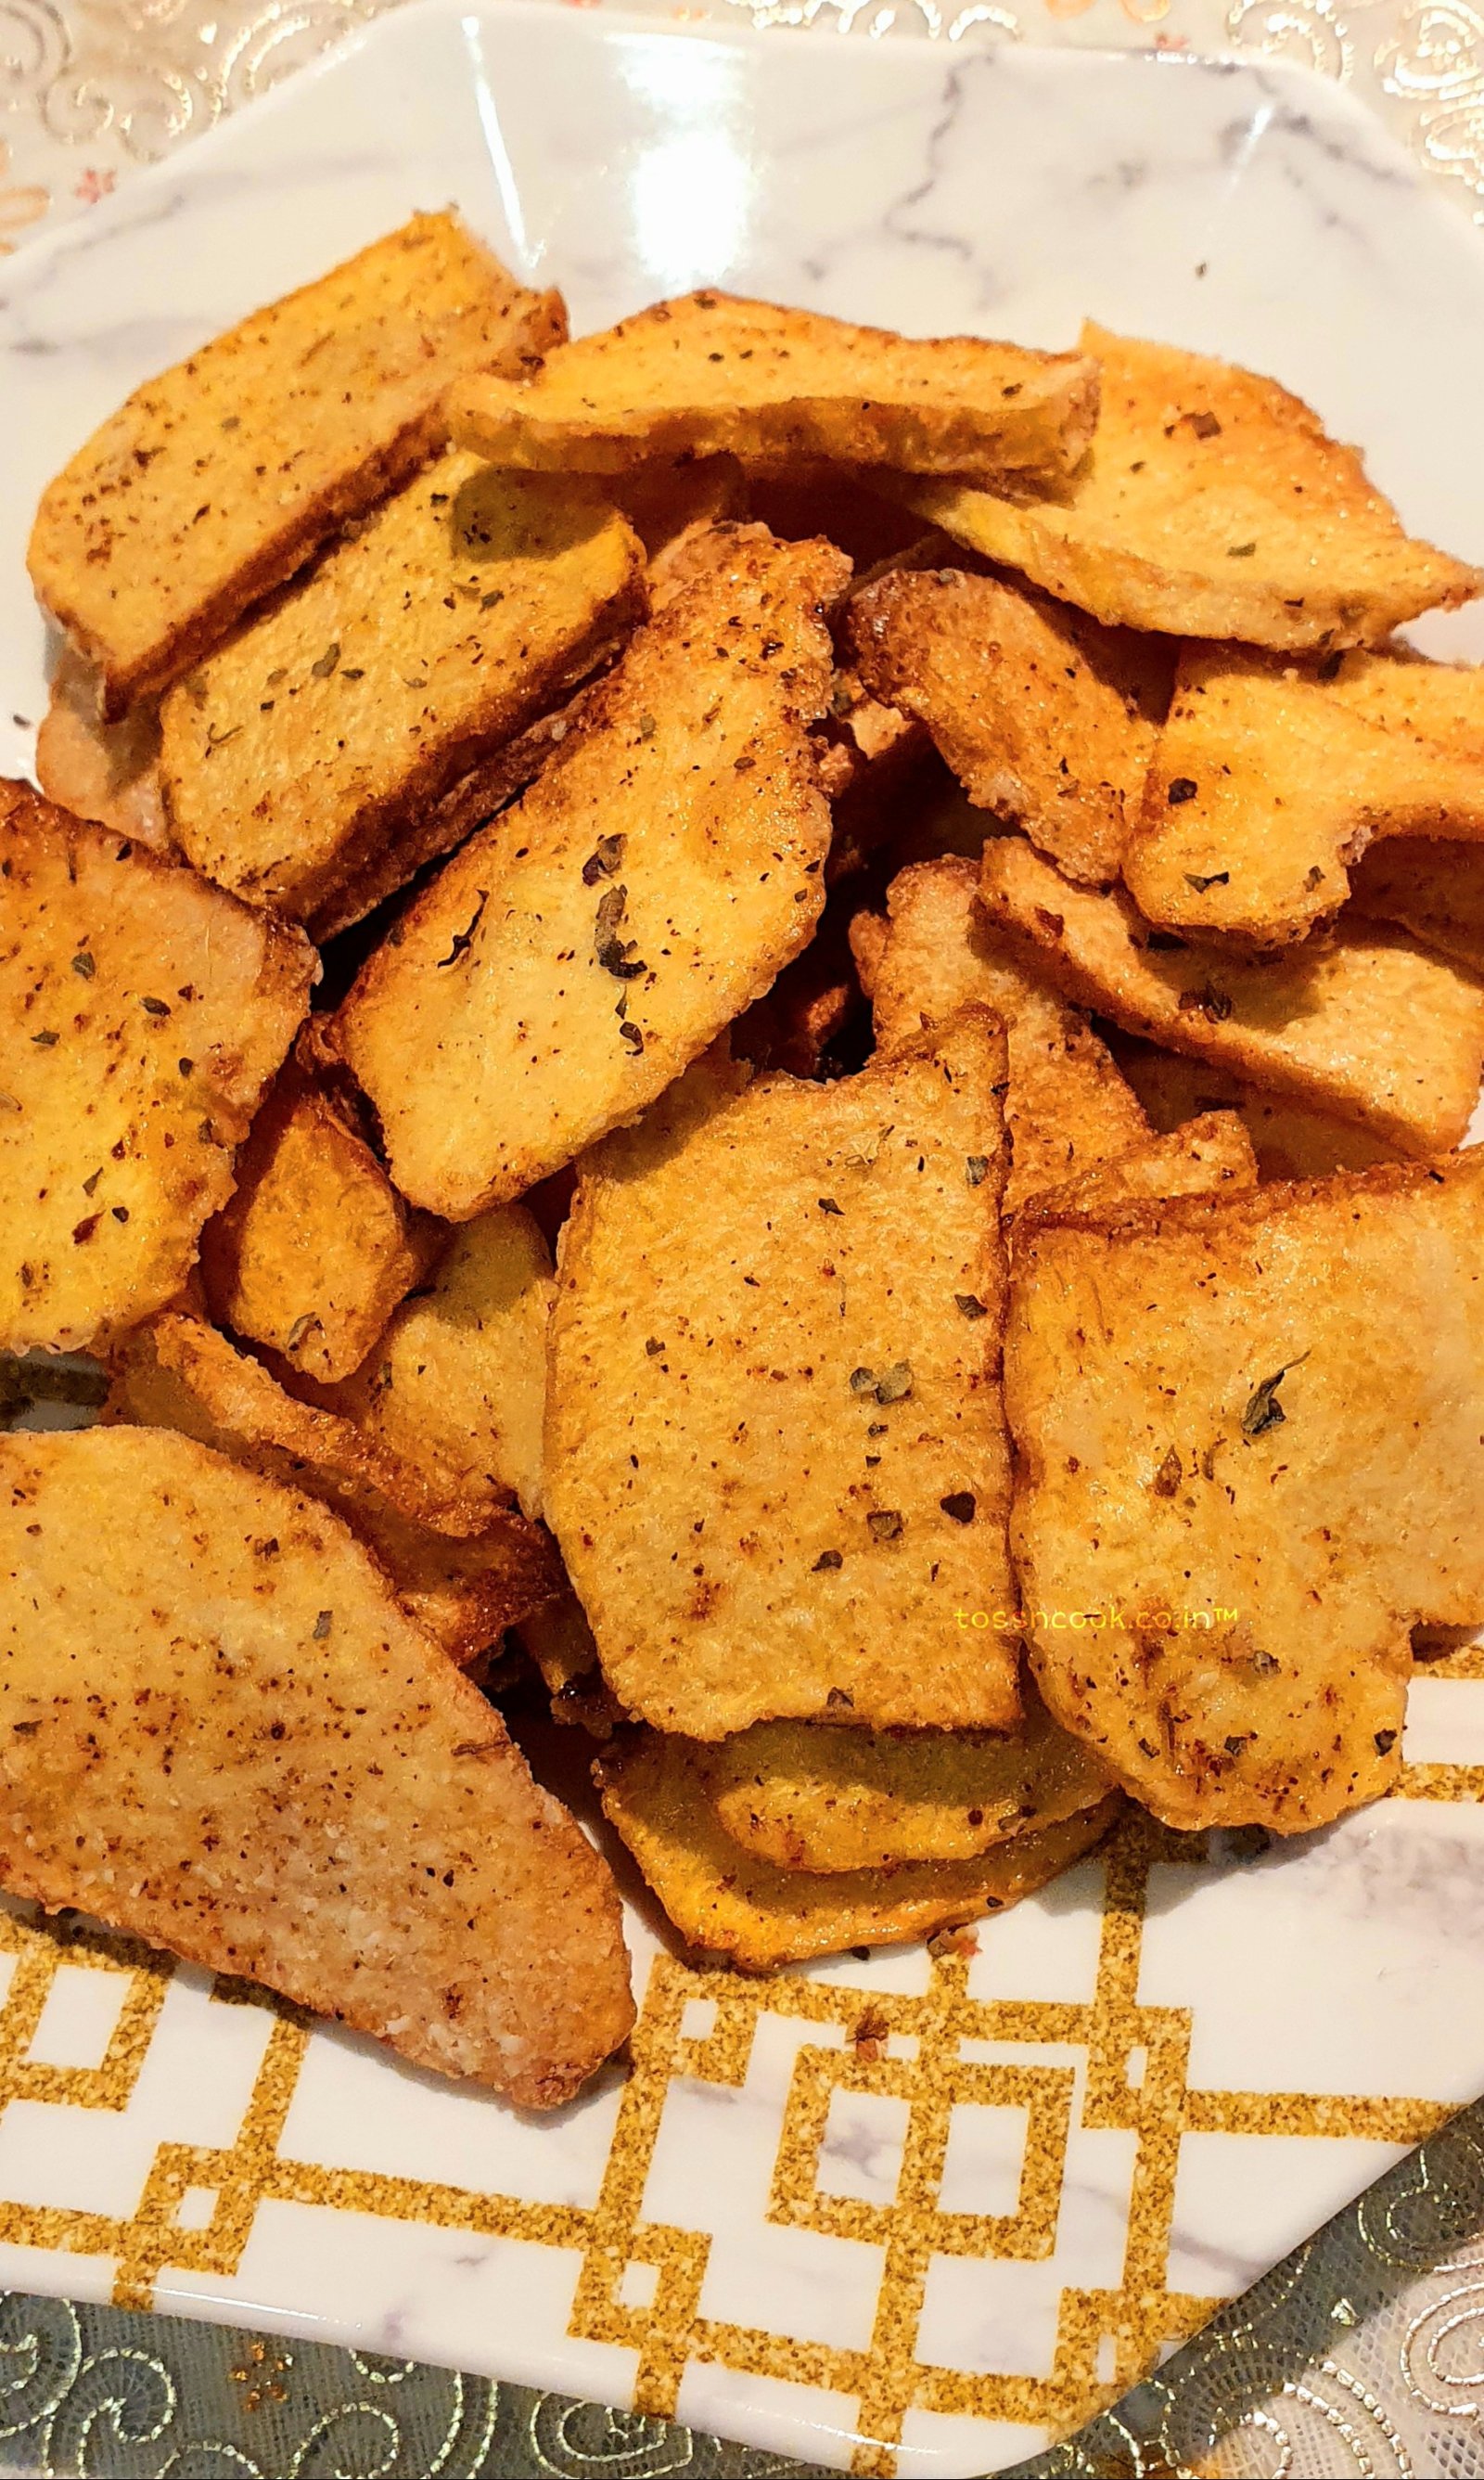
223, 1736
656, 1792
294, 759
774, 1457
1212, 505
1249, 1440
710, 374
109, 772
1368, 1028
1044, 716
1066, 1106
1440, 707
1209, 1154
456, 1388
144, 1014
1267, 781
671, 504
801, 496
1434, 891
1289, 1142
582, 949
217, 479
316, 1247
560, 1644
464, 1571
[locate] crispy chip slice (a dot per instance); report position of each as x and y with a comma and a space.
1267, 783
580, 951
456, 1387
1289, 1142
218, 1732
1434, 891
710, 374
295, 756
109, 772
1440, 707
657, 1793
144, 1012
1212, 505
1044, 716
1212, 1152
315, 1248
1067, 1107
775, 1459
464, 1571
1249, 1443
561, 1645
217, 479
1368, 1028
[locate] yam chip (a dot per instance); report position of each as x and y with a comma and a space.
1434, 891
657, 1793
1212, 503
1249, 1436
1289, 1142
215, 480
220, 1734
1205, 1155
709, 373
144, 1012
1368, 1027
774, 1457
560, 1642
582, 950
109, 772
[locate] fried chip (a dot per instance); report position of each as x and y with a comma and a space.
1212, 1152
1434, 891
1212, 505
1440, 707
1249, 1440
1066, 1106
219, 1733
456, 1388
295, 758
775, 1459
709, 373
1267, 783
144, 1012
1289, 1142
215, 480
464, 1571
560, 1642
315, 1248
580, 951
657, 1793
1368, 1028
109, 772
1045, 718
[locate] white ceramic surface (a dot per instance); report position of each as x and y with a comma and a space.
1123, 2106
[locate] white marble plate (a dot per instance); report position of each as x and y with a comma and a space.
1146, 2087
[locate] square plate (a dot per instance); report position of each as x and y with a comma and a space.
1148, 2084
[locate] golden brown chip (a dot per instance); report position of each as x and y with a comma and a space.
1289, 1142
1212, 505
798, 497
560, 1644
1434, 891
1440, 707
657, 1793
709, 373
109, 772
1249, 1440
296, 757
217, 479
1267, 783
143, 1013
775, 1459
1367, 1028
218, 1732
1066, 1106
1208, 1153
665, 502
582, 949
1044, 716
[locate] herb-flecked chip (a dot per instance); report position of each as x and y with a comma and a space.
754, 1517
1289, 1142
1212, 1152
1434, 891
219, 1733
144, 1014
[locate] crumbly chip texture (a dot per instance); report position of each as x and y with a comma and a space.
1066, 1106
776, 1462
109, 772
1045, 718
295, 758
1434, 891
215, 480
219, 1733
144, 1012
315, 1248
456, 1385
1212, 1152
1212, 505
1267, 782
1287, 1141
657, 1793
709, 373
1249, 1436
1366, 1027
583, 948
